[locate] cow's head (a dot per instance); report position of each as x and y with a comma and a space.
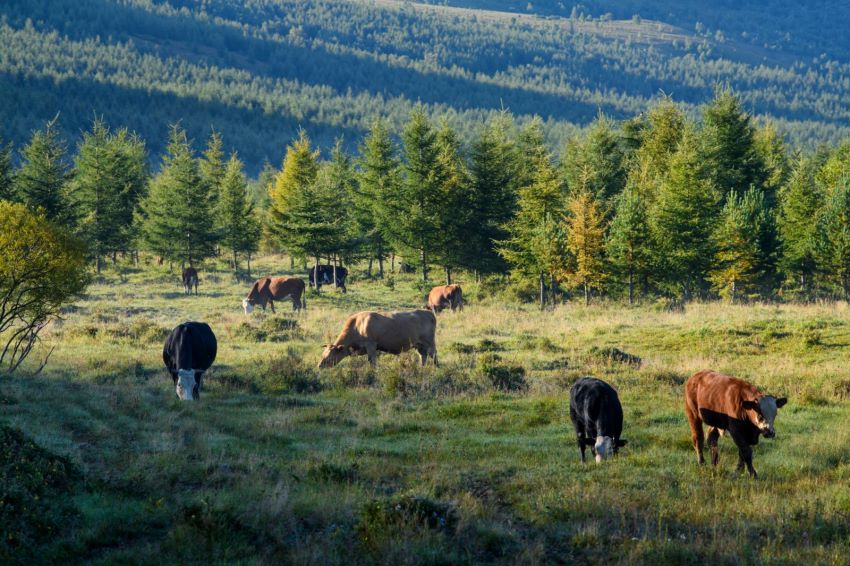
332, 355
188, 384
247, 305
605, 446
761, 411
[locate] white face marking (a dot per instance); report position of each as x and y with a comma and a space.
186, 384
247, 306
604, 448
768, 407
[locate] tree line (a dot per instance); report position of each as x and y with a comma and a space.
656, 205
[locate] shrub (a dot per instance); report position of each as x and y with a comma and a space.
288, 374
501, 376
380, 519
615, 355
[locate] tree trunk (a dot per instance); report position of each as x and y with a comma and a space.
553, 289
249, 264
542, 291
392, 262
733, 291
114, 258
631, 286
448, 275
370, 268
316, 275
334, 274
586, 294
380, 261
424, 258
97, 263
291, 263
235, 267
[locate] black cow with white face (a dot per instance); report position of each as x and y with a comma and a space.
597, 417
326, 276
189, 351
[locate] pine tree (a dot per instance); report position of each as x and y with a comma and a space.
665, 123
585, 231
333, 189
493, 192
377, 178
629, 243
110, 173
237, 221
739, 260
682, 218
7, 173
300, 167
176, 221
732, 164
414, 222
212, 168
800, 202
41, 180
596, 159
833, 249
455, 213
771, 150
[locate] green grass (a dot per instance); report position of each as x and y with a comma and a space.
279, 462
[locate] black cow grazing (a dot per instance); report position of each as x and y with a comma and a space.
597, 417
190, 278
189, 351
326, 276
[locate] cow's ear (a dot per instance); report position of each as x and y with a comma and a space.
781, 402
622, 442
751, 405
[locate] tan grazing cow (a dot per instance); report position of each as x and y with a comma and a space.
444, 296
267, 290
726, 403
392, 332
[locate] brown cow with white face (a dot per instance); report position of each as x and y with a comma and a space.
267, 290
725, 403
393, 332
445, 296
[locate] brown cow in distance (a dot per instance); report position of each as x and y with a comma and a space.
392, 332
267, 290
444, 296
725, 403
190, 279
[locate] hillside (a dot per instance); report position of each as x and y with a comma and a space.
258, 70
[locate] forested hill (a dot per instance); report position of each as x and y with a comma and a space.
257, 70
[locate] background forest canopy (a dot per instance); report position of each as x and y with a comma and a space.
654, 205
256, 71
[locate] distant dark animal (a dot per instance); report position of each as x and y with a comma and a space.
392, 332
326, 276
267, 290
727, 403
407, 268
597, 417
190, 279
189, 351
445, 296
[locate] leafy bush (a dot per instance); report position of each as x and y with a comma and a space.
288, 373
501, 376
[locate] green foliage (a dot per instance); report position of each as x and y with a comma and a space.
596, 161
502, 377
800, 199
176, 218
237, 222
7, 173
41, 181
833, 231
42, 268
629, 244
585, 230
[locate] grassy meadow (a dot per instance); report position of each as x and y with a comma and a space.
471, 462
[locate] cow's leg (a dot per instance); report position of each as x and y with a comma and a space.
581, 445
713, 437
696, 434
372, 352
271, 304
745, 455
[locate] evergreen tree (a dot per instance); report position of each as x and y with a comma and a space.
295, 180
833, 243
800, 202
377, 178
682, 219
333, 189
629, 243
455, 213
413, 226
771, 150
740, 260
110, 175
41, 180
237, 222
585, 231
665, 123
176, 221
732, 163
213, 168
493, 192
7, 173
597, 160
